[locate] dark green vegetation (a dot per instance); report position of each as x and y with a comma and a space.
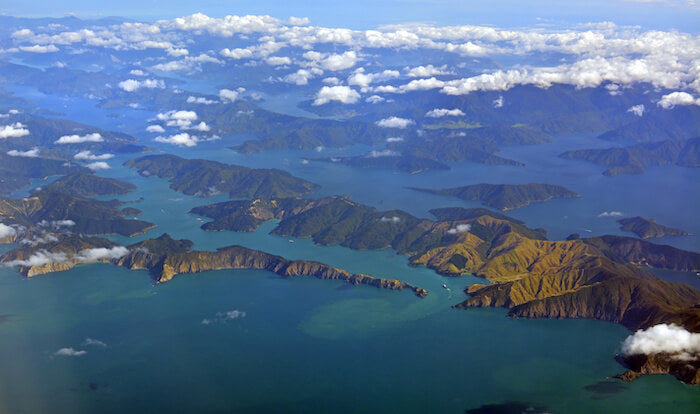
595, 278
88, 216
685, 369
17, 172
205, 178
89, 185
633, 159
647, 228
165, 257
506, 196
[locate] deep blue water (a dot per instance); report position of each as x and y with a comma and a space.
307, 345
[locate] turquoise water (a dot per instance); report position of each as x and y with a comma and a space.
307, 345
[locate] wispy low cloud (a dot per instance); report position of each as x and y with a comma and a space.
71, 352
40, 258
611, 214
56, 224
15, 130
32, 153
94, 342
498, 102
101, 253
200, 100
460, 228
382, 153
6, 231
669, 339
223, 317
392, 219
441, 112
395, 122
79, 139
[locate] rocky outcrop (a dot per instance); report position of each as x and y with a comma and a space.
686, 370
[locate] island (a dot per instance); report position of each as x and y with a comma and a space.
204, 178
505, 196
84, 184
165, 257
633, 159
647, 228
80, 214
18, 172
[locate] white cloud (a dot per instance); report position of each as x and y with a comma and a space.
32, 153
363, 80
6, 231
132, 85
331, 81
56, 224
181, 140
439, 113
637, 109
40, 258
202, 127
375, 99
394, 139
69, 352
395, 122
137, 72
498, 102
392, 219
200, 100
677, 98
39, 49
155, 128
337, 62
237, 53
302, 76
87, 155
98, 165
611, 214
15, 130
663, 338
223, 317
101, 253
79, 139
460, 228
343, 94
382, 153
228, 95
174, 118
425, 71
278, 60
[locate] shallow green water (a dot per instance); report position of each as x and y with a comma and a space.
307, 345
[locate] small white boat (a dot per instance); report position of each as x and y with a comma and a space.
291, 241
444, 286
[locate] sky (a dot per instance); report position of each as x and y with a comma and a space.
682, 15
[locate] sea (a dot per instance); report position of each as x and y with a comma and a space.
103, 339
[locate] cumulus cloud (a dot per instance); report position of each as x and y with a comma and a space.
439, 113
237, 53
101, 253
228, 95
677, 98
302, 76
278, 60
181, 140
671, 339
56, 224
32, 153
394, 139
375, 99
425, 71
395, 122
137, 72
98, 165
460, 228
155, 128
87, 155
342, 94
335, 62
181, 119
6, 231
79, 139
15, 130
363, 80
132, 85
611, 214
382, 153
637, 109
69, 352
